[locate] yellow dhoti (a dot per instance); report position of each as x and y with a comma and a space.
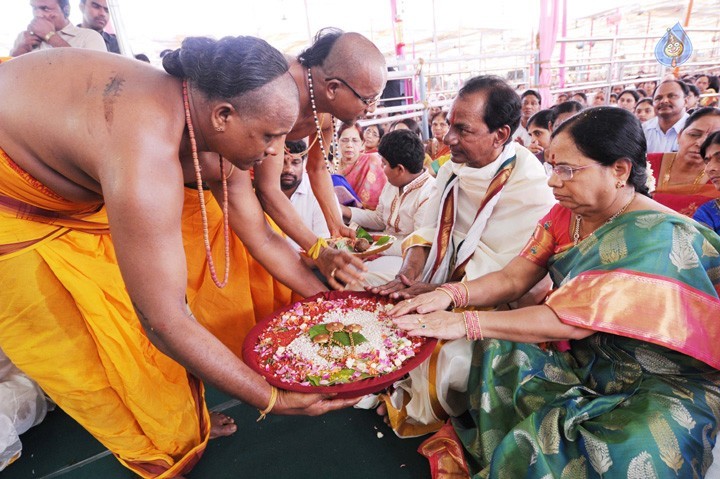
66, 320
251, 293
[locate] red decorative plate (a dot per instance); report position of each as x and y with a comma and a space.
289, 350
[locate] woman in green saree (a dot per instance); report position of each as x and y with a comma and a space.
616, 373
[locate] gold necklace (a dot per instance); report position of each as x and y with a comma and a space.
666, 176
578, 220
303, 153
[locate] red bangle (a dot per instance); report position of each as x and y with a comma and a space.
473, 331
459, 295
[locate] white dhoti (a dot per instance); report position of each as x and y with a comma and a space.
421, 403
382, 270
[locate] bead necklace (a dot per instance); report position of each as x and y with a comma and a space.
203, 212
331, 166
666, 176
578, 220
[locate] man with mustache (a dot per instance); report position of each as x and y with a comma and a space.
296, 186
50, 28
95, 16
487, 199
669, 101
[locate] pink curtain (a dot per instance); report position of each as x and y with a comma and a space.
549, 22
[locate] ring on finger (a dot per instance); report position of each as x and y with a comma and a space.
332, 273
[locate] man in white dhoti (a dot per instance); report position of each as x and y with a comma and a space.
487, 202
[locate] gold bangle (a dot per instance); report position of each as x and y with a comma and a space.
271, 404
314, 251
467, 290
467, 330
49, 35
443, 290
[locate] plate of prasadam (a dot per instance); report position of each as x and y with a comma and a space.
363, 246
340, 342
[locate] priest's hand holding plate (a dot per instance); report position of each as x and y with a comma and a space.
292, 403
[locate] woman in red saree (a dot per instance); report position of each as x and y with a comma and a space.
681, 183
363, 171
439, 126
709, 213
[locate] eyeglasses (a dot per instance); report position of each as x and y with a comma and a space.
367, 101
564, 172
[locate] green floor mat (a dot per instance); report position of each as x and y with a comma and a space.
342, 444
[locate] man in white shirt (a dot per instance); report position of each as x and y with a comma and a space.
402, 204
50, 28
669, 102
296, 186
530, 101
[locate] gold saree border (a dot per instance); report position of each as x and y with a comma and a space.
398, 417
446, 454
414, 240
654, 309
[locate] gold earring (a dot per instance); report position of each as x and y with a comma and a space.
219, 128
619, 184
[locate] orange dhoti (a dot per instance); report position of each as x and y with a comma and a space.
251, 293
67, 321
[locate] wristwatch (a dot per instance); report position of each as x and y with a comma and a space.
48, 36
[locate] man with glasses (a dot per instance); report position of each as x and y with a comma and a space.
487, 201
341, 76
334, 55
669, 102
367, 101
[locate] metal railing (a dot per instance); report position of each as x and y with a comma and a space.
619, 60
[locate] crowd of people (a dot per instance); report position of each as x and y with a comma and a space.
552, 251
